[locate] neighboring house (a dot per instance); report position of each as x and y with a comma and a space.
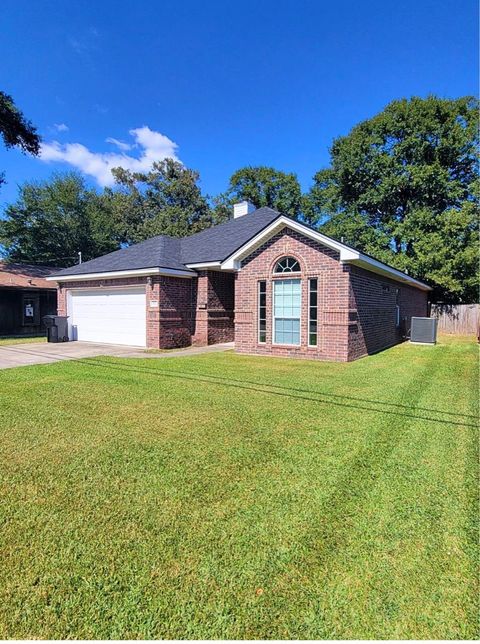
25, 297
267, 282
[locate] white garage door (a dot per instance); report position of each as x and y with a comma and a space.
113, 316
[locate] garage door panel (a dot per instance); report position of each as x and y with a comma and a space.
114, 316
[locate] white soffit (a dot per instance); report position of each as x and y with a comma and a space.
128, 273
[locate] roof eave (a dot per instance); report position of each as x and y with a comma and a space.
374, 266
156, 270
347, 254
204, 265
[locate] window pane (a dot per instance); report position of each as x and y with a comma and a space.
312, 312
287, 265
262, 311
287, 311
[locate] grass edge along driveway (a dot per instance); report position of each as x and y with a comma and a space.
227, 496
8, 340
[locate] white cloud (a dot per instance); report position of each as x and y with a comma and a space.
154, 146
61, 127
121, 145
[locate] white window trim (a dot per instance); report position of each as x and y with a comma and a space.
287, 272
258, 312
312, 346
397, 316
282, 344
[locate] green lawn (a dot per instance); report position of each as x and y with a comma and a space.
223, 496
5, 340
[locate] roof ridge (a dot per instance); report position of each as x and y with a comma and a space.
231, 220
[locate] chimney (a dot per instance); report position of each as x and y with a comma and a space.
242, 208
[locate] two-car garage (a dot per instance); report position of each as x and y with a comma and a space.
108, 315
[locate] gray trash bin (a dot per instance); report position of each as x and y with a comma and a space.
57, 327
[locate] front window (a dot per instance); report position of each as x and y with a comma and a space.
287, 301
262, 311
287, 265
313, 312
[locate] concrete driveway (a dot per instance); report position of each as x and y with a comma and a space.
22, 355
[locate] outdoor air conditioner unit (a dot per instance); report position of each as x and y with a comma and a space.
423, 330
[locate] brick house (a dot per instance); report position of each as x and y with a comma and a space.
266, 282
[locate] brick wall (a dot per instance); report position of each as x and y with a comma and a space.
168, 306
214, 306
179, 311
374, 298
333, 284
221, 303
356, 315
175, 312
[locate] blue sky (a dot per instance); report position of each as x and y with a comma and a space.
220, 84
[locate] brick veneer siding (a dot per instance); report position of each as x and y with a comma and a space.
221, 303
198, 310
169, 324
356, 316
175, 311
214, 308
333, 287
374, 298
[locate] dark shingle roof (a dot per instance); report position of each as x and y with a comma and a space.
157, 252
211, 245
217, 243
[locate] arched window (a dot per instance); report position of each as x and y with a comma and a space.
287, 265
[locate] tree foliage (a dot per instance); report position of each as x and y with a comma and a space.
402, 187
264, 186
15, 129
167, 200
54, 220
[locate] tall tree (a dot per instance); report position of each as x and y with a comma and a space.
15, 129
167, 200
264, 186
51, 222
402, 186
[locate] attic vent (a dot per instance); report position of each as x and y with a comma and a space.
242, 208
424, 330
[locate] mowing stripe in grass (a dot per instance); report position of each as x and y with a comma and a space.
136, 503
